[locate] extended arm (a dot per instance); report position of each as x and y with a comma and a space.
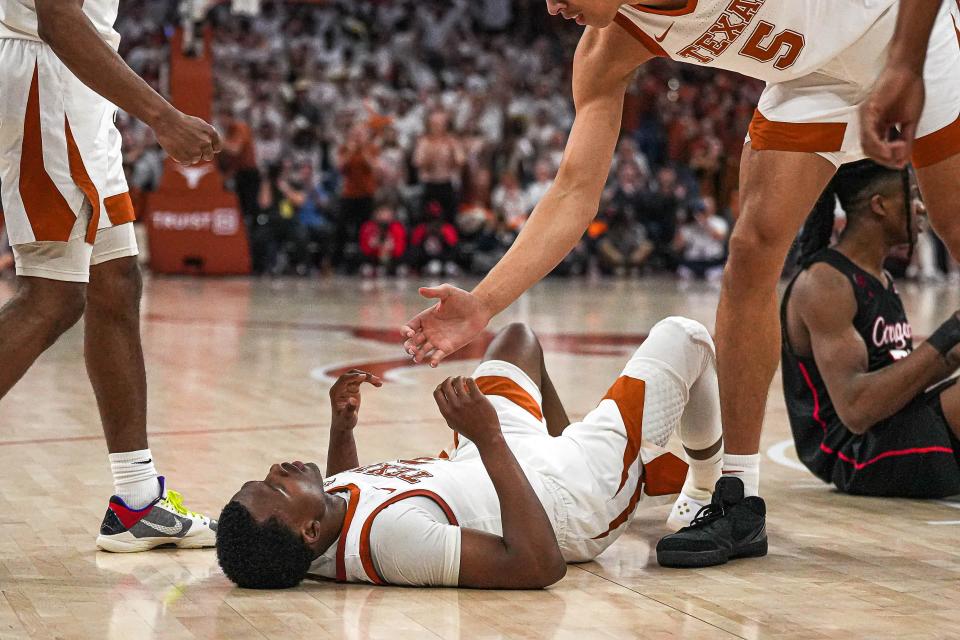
345, 406
63, 25
898, 95
527, 555
602, 69
862, 398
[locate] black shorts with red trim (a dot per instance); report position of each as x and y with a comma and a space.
912, 454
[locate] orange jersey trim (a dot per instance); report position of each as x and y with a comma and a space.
366, 557
625, 514
120, 208
664, 475
352, 504
690, 7
629, 395
937, 146
51, 218
507, 388
82, 179
811, 137
630, 27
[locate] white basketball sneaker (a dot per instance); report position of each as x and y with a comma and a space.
164, 522
685, 509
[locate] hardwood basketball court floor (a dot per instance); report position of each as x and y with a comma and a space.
238, 372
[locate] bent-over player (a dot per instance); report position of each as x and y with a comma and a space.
521, 492
858, 395
820, 59
70, 219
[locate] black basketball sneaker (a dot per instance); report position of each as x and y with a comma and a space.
731, 526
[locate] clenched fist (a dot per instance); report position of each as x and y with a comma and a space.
467, 410
186, 139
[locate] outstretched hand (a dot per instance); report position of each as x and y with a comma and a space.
895, 101
345, 397
446, 327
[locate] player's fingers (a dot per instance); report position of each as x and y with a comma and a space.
898, 154
902, 152
415, 342
374, 380
441, 400
453, 399
207, 153
216, 143
474, 389
441, 292
436, 357
423, 352
410, 329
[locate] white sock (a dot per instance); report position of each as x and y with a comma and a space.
701, 429
703, 474
135, 478
747, 468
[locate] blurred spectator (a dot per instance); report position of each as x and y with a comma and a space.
383, 242
624, 248
628, 195
707, 165
702, 243
660, 210
387, 99
356, 160
434, 244
542, 181
490, 244
316, 228
438, 159
629, 153
292, 232
510, 202
238, 160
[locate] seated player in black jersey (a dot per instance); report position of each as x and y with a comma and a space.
865, 407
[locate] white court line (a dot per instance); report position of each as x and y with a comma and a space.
778, 453
942, 522
949, 503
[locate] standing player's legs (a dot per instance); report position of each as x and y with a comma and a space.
940, 185
113, 354
777, 191
38, 314
518, 344
936, 151
614, 458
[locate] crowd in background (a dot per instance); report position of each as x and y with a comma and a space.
384, 136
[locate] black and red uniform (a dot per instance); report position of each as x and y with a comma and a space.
911, 454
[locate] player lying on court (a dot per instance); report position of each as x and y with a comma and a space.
522, 491
857, 392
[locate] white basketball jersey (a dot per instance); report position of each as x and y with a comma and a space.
772, 40
462, 489
18, 19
